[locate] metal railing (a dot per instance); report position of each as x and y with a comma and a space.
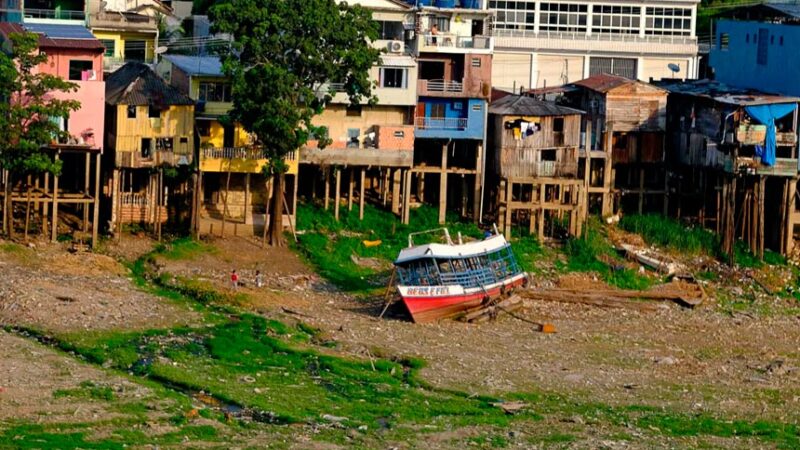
448, 40
241, 153
134, 199
441, 123
62, 14
597, 37
441, 85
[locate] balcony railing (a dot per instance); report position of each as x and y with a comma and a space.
441, 123
441, 86
447, 40
111, 63
134, 199
596, 37
241, 153
61, 14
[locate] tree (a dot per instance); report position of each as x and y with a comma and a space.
284, 53
26, 114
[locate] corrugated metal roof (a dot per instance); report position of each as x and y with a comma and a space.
603, 82
137, 84
516, 105
79, 37
197, 65
723, 93
60, 31
790, 9
397, 61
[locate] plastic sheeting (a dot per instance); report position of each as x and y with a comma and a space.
767, 115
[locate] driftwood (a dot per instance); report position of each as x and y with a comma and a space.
590, 299
686, 294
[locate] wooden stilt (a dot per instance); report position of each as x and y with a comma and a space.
350, 185
361, 195
326, 195
443, 186
54, 221
225, 200
396, 179
96, 203
407, 197
337, 194
477, 186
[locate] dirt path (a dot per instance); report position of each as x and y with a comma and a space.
52, 290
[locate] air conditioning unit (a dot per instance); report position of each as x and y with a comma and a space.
396, 46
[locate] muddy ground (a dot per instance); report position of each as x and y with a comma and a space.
737, 365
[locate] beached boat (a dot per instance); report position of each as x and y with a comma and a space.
440, 280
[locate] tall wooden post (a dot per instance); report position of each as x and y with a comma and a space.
608, 207
326, 197
396, 176
476, 199
361, 195
96, 205
443, 186
350, 182
407, 196
86, 177
248, 207
337, 194
54, 221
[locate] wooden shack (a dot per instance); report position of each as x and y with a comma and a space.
150, 126
625, 125
534, 160
724, 181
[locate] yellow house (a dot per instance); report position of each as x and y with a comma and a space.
150, 126
232, 183
127, 37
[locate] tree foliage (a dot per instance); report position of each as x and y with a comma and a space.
284, 54
28, 107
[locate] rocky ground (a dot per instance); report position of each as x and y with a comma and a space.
733, 363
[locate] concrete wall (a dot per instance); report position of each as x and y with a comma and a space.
738, 66
338, 122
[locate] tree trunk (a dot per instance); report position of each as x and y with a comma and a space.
9, 209
276, 217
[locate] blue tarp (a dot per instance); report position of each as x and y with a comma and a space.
767, 115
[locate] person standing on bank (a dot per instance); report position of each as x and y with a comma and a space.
234, 279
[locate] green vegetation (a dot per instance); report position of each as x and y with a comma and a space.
331, 246
594, 253
670, 233
87, 390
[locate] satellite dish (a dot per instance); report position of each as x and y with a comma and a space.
674, 67
161, 49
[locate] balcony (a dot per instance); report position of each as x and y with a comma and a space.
157, 158
464, 88
523, 163
123, 21
451, 43
449, 127
32, 15
389, 146
240, 160
600, 42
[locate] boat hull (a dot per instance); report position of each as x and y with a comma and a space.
432, 303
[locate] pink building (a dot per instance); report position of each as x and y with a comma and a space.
74, 54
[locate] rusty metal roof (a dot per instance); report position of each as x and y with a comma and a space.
723, 93
137, 84
603, 82
518, 105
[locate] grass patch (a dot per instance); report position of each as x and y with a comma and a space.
593, 253
330, 245
670, 233
87, 389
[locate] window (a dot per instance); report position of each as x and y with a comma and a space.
147, 147
747, 38
476, 107
393, 78
458, 106
390, 30
184, 140
352, 137
153, 112
135, 50
558, 125
437, 111
203, 128
354, 111
77, 68
623, 67
563, 17
724, 41
164, 144
514, 15
399, 134
668, 21
476, 62
763, 48
131, 111
109, 44
616, 19
214, 92
780, 41
772, 40
443, 24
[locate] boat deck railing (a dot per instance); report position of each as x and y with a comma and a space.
468, 272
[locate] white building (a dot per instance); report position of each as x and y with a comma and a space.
540, 44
